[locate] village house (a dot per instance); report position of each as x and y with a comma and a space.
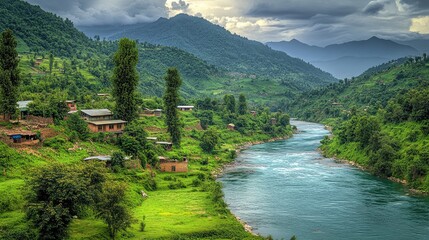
23, 108
96, 114
101, 120
185, 108
253, 113
23, 137
114, 126
38, 61
154, 112
152, 139
231, 126
71, 104
166, 145
157, 112
103, 95
167, 165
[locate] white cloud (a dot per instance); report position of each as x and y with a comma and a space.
420, 25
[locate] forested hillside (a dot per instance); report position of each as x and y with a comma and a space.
221, 48
380, 119
42, 31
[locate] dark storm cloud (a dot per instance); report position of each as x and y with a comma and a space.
180, 5
417, 4
297, 10
373, 7
104, 12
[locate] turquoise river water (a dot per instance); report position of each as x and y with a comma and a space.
287, 188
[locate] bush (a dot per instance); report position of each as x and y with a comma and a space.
56, 142
176, 185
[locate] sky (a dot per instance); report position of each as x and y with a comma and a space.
316, 22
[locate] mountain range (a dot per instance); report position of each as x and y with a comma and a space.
221, 48
348, 59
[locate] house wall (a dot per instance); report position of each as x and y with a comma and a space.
180, 166
106, 128
72, 106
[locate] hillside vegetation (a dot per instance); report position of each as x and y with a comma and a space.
219, 47
380, 120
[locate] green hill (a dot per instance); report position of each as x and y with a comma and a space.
380, 120
221, 48
368, 92
40, 30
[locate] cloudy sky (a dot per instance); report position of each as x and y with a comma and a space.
318, 22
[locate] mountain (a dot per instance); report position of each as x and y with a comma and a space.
41, 31
422, 45
348, 59
221, 48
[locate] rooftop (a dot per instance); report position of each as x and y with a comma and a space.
22, 105
107, 122
185, 106
97, 112
164, 143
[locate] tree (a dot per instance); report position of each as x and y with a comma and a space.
112, 208
125, 80
129, 145
78, 125
171, 100
229, 101
242, 105
9, 74
51, 62
118, 159
57, 193
209, 140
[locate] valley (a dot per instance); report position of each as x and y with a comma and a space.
139, 126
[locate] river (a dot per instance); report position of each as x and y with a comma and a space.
287, 188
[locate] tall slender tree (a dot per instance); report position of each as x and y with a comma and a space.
125, 79
242, 105
9, 74
51, 62
171, 100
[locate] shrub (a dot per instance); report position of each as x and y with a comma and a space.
56, 142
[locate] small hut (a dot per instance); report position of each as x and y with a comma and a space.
167, 165
231, 126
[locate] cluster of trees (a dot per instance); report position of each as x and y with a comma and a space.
58, 193
390, 153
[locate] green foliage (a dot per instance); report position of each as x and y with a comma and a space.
118, 159
57, 193
112, 208
9, 74
209, 140
125, 79
229, 101
78, 125
129, 145
171, 101
242, 105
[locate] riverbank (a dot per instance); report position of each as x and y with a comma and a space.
366, 169
287, 188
